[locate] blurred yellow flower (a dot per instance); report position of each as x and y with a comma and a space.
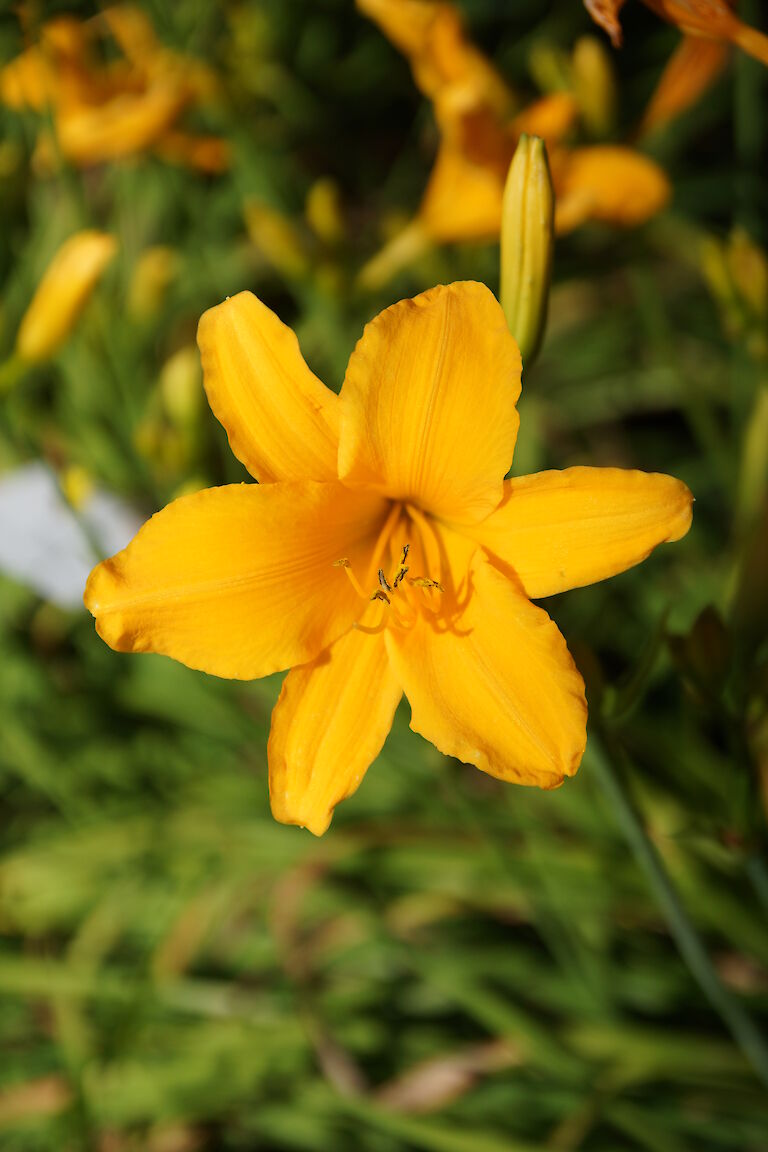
713, 19
479, 134
382, 552
103, 111
62, 294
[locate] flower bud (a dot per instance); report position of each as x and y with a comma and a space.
152, 276
527, 244
594, 83
62, 294
278, 239
323, 210
181, 385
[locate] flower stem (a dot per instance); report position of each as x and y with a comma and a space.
682, 929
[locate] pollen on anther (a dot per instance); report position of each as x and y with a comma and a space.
342, 563
383, 582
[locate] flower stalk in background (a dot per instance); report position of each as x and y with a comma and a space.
102, 112
62, 294
479, 131
382, 552
527, 245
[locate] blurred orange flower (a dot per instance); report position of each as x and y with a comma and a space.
479, 132
382, 552
105, 111
713, 19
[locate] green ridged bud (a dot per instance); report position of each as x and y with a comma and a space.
527, 245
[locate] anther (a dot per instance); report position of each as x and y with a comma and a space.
384, 583
380, 594
424, 582
343, 563
400, 577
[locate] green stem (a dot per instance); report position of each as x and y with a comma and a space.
682, 929
11, 371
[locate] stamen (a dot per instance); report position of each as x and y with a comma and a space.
372, 630
384, 583
345, 564
380, 594
400, 576
425, 582
383, 539
430, 541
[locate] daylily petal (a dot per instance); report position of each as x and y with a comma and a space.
712, 18
428, 403
694, 65
282, 422
238, 581
328, 726
551, 117
123, 125
561, 530
463, 198
499, 689
606, 14
616, 185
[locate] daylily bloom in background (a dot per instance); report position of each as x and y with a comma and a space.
62, 294
478, 136
382, 552
712, 19
104, 111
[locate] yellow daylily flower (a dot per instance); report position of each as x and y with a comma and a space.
713, 19
105, 111
382, 552
62, 294
479, 132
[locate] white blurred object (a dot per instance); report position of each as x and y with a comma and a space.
45, 545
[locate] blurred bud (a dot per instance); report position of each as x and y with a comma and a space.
550, 67
594, 83
748, 267
753, 464
527, 245
62, 294
152, 276
277, 238
77, 485
181, 385
323, 210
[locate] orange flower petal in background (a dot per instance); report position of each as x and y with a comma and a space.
62, 294
715, 19
691, 69
282, 422
561, 530
428, 403
105, 111
362, 586
238, 581
606, 14
608, 183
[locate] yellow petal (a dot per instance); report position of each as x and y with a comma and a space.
499, 689
328, 726
463, 198
691, 69
615, 185
62, 294
238, 581
551, 117
282, 423
561, 530
428, 403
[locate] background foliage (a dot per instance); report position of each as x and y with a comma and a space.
459, 965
